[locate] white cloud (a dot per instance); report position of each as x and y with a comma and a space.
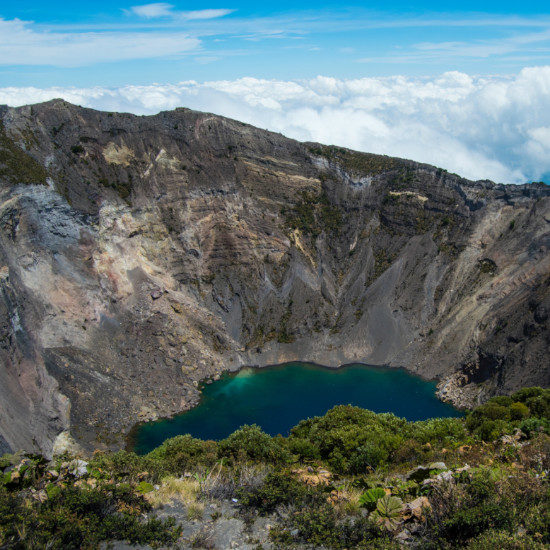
21, 44
485, 48
161, 9
480, 127
203, 14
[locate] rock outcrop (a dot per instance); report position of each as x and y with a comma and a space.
140, 255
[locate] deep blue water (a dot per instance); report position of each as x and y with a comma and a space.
277, 398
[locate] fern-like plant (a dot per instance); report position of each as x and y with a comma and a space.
369, 498
388, 512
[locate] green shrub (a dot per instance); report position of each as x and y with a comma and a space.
536, 519
316, 526
251, 443
470, 521
532, 426
492, 420
75, 518
486, 500
490, 430
519, 411
368, 455
182, 453
502, 540
120, 465
144, 487
279, 488
411, 451
303, 448
320, 527
351, 439
482, 485
525, 393
442, 430
540, 405
490, 411
52, 490
504, 400
7, 460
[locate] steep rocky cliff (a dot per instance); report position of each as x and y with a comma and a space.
139, 255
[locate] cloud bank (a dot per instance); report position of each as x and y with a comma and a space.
480, 127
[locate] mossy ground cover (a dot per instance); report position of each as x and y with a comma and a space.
17, 166
348, 479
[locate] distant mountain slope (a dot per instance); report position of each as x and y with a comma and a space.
140, 255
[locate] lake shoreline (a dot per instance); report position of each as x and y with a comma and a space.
232, 370
305, 368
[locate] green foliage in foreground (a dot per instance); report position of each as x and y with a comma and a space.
369, 499
80, 517
343, 480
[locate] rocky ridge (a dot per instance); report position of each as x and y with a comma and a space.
141, 255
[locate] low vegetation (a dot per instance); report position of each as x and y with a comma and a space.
17, 166
355, 162
348, 479
313, 214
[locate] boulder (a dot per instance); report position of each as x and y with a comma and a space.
404, 536
156, 294
446, 476
416, 509
78, 468
418, 474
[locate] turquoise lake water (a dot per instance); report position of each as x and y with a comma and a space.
277, 398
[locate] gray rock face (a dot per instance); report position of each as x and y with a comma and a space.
140, 255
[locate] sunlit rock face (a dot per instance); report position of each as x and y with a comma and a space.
140, 255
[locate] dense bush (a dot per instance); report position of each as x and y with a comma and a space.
183, 452
351, 439
490, 501
80, 518
303, 448
251, 443
444, 430
505, 541
280, 488
121, 465
501, 415
320, 526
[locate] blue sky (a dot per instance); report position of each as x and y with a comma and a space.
108, 44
